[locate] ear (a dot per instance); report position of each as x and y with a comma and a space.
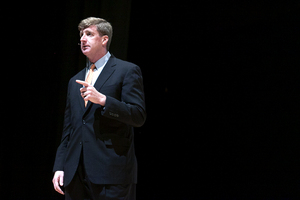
105, 39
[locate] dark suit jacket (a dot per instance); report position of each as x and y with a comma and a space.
104, 134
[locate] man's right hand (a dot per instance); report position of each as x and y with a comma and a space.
58, 180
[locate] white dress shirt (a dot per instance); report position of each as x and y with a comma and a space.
99, 65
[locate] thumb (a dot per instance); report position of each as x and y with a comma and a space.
61, 181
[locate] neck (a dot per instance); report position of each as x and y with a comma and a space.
97, 57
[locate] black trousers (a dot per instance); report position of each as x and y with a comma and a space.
81, 188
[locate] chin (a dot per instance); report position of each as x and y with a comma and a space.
85, 52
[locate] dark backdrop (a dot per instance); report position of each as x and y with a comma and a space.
222, 95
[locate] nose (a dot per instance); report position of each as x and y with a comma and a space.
83, 38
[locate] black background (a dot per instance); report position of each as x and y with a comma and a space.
222, 95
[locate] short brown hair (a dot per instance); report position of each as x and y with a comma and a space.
103, 27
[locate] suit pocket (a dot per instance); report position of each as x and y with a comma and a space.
116, 140
119, 144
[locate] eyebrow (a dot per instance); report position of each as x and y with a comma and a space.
83, 31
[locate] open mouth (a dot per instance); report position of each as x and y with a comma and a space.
84, 47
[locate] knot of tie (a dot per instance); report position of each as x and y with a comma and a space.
90, 75
92, 67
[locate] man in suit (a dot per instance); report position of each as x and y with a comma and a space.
96, 158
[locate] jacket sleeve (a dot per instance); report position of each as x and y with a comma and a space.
131, 109
67, 129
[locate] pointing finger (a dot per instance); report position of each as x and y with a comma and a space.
82, 83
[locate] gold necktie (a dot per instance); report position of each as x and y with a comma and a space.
89, 78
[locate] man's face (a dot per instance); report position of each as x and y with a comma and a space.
91, 42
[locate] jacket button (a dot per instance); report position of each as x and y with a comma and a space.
80, 143
83, 121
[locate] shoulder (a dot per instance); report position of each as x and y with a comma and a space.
130, 70
124, 64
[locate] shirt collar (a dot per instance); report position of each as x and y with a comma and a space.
99, 63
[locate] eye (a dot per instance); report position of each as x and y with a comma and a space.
89, 34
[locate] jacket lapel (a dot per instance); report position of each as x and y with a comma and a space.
107, 71
81, 76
